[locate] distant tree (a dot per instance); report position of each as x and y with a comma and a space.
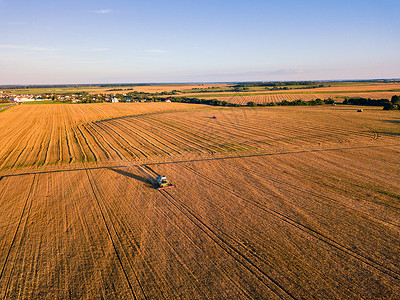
389, 106
251, 104
319, 101
395, 100
329, 101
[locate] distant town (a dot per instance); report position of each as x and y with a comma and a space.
84, 97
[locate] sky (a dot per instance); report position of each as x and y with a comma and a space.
130, 41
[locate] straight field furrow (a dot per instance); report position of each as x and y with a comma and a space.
180, 136
105, 154
124, 152
166, 138
90, 154
230, 250
8, 266
101, 137
223, 138
111, 232
193, 136
314, 175
316, 234
135, 151
146, 135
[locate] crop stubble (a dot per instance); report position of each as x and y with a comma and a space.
309, 208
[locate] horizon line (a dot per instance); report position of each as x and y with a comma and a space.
190, 82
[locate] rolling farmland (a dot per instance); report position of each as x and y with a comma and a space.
277, 202
243, 99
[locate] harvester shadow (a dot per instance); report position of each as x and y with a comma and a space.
149, 181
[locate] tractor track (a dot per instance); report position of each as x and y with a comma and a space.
271, 154
321, 237
133, 155
18, 142
44, 149
232, 251
70, 158
25, 212
87, 143
316, 194
220, 134
193, 137
219, 158
48, 151
316, 129
250, 252
249, 249
118, 125
96, 140
126, 124
104, 139
26, 146
128, 153
184, 233
188, 139
219, 137
86, 234
84, 156
167, 241
142, 124
93, 185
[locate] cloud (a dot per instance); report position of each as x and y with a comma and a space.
24, 48
155, 51
103, 11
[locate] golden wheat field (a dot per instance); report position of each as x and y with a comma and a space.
268, 203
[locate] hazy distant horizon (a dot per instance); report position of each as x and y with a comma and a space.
191, 82
78, 42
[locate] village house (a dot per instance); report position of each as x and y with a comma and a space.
24, 98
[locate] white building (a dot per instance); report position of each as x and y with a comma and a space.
20, 99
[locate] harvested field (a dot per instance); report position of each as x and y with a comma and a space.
358, 87
277, 202
154, 88
66, 134
36, 135
268, 98
277, 98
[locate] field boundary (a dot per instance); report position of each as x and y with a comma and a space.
6, 107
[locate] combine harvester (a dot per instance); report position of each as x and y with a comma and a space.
163, 183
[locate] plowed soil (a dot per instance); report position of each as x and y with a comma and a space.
268, 203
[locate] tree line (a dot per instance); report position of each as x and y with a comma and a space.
392, 104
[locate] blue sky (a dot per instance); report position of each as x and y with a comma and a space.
52, 42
